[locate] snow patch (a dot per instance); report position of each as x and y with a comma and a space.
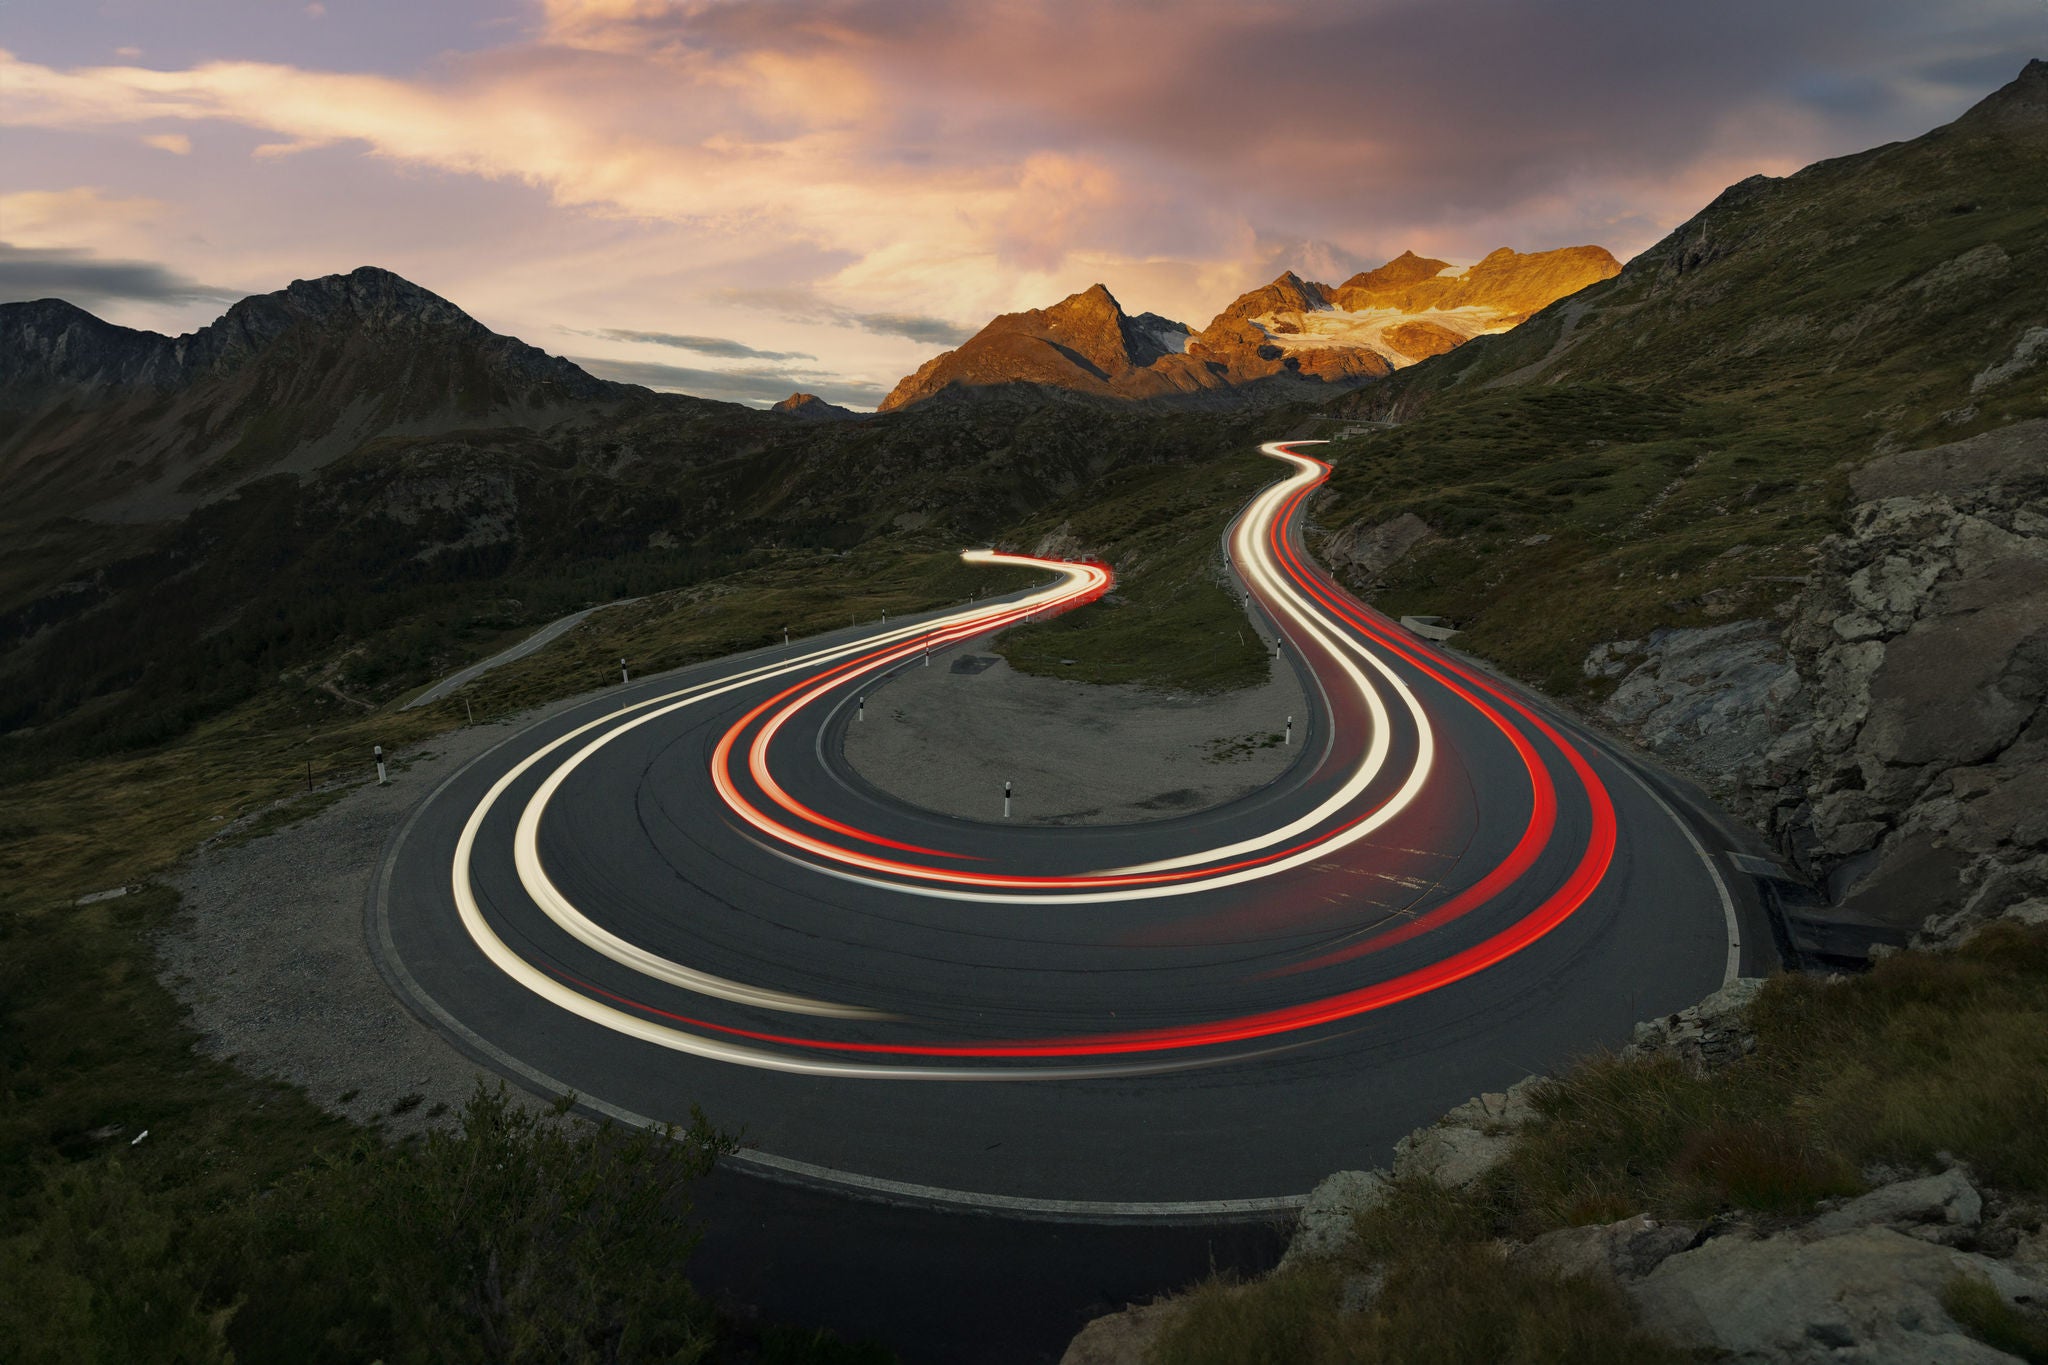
1171, 342
1335, 327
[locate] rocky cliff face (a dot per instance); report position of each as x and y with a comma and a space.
1278, 339
1890, 734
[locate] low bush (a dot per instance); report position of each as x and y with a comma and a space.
514, 1236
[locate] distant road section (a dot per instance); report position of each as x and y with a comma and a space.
541, 638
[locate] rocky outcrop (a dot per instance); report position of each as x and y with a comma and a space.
1890, 736
1870, 1294
1937, 1207
1864, 1279
1706, 1036
1710, 700
1361, 553
1464, 1146
1325, 1227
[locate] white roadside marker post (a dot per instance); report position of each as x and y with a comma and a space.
1290, 732
927, 651
785, 635
1006, 800
383, 779
468, 712
624, 676
860, 708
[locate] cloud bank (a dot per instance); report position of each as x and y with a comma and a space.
79, 277
934, 162
754, 387
718, 346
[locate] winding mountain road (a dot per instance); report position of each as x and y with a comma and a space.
681, 894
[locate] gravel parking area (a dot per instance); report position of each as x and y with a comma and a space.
947, 737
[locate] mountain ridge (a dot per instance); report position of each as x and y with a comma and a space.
1274, 341
142, 425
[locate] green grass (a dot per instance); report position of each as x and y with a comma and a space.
1444, 1294
1637, 508
1174, 624
1983, 1312
510, 1236
1928, 1054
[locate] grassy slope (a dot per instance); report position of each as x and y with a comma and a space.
1688, 442
1926, 1055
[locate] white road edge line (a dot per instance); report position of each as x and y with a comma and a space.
1733, 968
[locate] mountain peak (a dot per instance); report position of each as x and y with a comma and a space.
326, 363
368, 295
1095, 304
2020, 105
809, 405
1404, 270
1290, 330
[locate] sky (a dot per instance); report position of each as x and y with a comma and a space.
745, 198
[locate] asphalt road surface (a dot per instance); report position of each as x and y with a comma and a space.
680, 894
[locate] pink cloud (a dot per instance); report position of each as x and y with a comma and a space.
958, 159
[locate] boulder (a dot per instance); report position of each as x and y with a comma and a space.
1326, 1219
1616, 1252
1124, 1338
1871, 1294
1705, 1036
1945, 1202
1466, 1144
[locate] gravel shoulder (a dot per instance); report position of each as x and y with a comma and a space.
269, 956
946, 738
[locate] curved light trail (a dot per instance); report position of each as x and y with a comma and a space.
1379, 763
